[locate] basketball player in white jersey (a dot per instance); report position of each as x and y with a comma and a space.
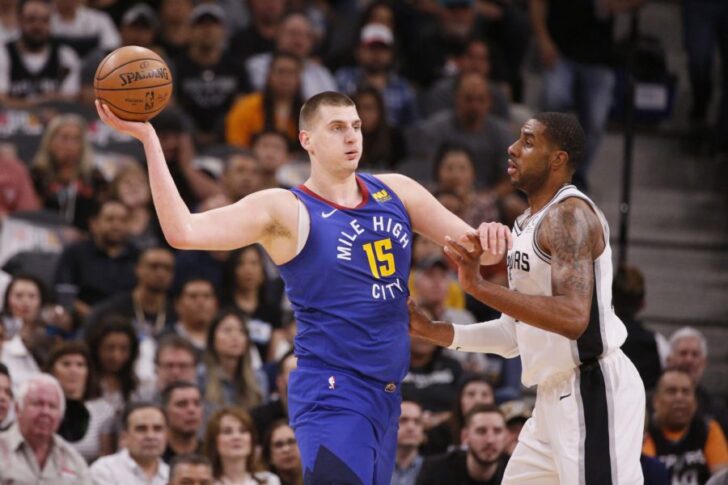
557, 315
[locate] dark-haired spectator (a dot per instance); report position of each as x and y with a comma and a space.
249, 290
473, 389
17, 193
469, 123
174, 25
182, 404
31, 450
375, 68
174, 131
196, 306
272, 149
33, 68
147, 305
138, 26
23, 301
576, 45
144, 436
230, 444
241, 176
83, 28
208, 76
99, 267
281, 452
648, 350
383, 144
484, 461
88, 420
229, 375
295, 36
114, 348
6, 398
259, 36
689, 351
190, 470
275, 106
692, 448
276, 409
474, 58
63, 170
410, 437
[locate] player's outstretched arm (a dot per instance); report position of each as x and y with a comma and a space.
569, 232
434, 221
245, 222
495, 336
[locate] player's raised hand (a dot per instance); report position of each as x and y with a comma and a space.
137, 129
467, 259
495, 239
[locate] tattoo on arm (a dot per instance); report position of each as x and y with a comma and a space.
568, 232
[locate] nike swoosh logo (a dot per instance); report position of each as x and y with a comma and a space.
564, 396
326, 215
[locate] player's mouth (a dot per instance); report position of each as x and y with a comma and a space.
512, 167
351, 154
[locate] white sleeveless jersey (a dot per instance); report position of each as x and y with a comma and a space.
544, 353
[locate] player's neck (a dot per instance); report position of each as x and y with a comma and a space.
342, 191
538, 199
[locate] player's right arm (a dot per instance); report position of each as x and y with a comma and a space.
253, 219
493, 337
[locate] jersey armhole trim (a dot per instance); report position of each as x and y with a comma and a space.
545, 257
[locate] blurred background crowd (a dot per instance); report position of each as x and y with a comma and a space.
138, 353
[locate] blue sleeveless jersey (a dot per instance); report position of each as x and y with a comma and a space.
348, 285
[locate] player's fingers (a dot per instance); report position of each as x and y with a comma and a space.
493, 239
453, 255
474, 239
457, 248
483, 233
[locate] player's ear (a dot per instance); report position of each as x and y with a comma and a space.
304, 139
559, 159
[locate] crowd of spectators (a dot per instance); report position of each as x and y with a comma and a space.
125, 361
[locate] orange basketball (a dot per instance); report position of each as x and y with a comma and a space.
134, 82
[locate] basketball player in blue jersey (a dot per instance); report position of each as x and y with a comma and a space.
343, 244
588, 421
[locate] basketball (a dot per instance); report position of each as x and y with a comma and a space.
134, 82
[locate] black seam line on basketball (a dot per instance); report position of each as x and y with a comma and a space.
134, 89
129, 62
127, 111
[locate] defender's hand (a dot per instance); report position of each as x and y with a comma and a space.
468, 260
495, 239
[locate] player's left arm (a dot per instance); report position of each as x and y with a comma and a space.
432, 220
571, 233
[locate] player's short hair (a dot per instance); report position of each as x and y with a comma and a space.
189, 459
311, 107
482, 409
564, 131
689, 332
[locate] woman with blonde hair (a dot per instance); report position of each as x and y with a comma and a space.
230, 377
63, 170
230, 445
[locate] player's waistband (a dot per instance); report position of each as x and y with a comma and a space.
314, 365
557, 378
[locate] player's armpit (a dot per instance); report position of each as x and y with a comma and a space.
568, 233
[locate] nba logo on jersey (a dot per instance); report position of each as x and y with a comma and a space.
332, 383
381, 196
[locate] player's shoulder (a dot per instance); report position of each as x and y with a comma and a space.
401, 184
571, 208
